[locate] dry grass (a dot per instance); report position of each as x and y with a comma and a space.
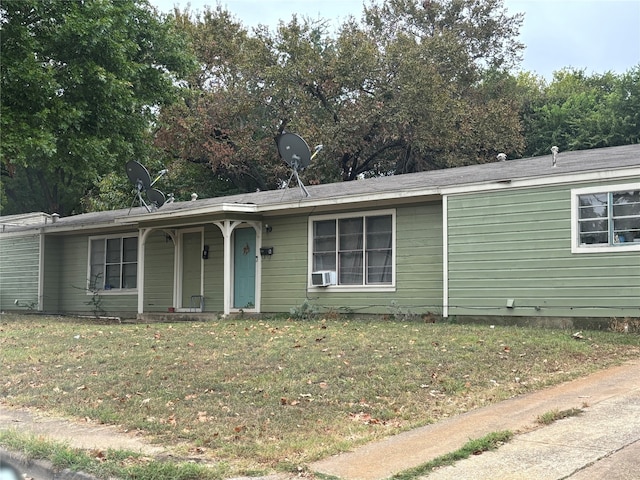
258, 396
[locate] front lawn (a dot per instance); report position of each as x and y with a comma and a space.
259, 396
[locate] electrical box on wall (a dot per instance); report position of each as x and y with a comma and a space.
266, 251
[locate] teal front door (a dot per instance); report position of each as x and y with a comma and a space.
244, 268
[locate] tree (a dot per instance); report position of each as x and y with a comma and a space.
412, 86
576, 111
81, 83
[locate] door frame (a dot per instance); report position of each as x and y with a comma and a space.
179, 270
256, 267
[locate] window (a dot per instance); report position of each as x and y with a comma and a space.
360, 249
606, 218
113, 263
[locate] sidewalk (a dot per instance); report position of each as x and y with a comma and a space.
606, 438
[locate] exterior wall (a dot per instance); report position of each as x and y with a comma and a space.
19, 272
159, 268
73, 295
214, 270
51, 278
418, 268
516, 244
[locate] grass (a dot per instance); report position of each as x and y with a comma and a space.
120, 464
552, 416
473, 447
275, 395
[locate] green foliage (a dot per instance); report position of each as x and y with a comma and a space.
576, 111
407, 88
554, 415
306, 311
80, 84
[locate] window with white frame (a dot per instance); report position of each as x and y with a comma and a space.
113, 263
607, 217
359, 248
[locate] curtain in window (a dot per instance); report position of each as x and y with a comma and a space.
96, 274
626, 216
379, 249
324, 245
594, 218
609, 218
350, 251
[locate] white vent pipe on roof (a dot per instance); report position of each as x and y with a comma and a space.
554, 154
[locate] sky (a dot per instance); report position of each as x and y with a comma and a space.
594, 35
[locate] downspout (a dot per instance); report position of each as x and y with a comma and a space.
445, 256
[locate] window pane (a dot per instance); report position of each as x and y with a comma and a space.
378, 232
129, 276
96, 274
379, 266
130, 249
350, 234
113, 250
350, 268
324, 261
113, 277
379, 253
324, 236
626, 217
324, 245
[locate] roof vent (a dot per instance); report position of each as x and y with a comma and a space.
554, 154
502, 157
194, 197
55, 217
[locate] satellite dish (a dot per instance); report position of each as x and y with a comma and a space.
156, 197
294, 150
295, 153
139, 176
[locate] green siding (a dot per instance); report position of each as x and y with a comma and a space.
74, 297
159, 268
214, 270
52, 265
418, 268
19, 272
516, 244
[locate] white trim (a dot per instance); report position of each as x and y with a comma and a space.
113, 291
352, 288
179, 255
41, 257
445, 256
257, 290
575, 246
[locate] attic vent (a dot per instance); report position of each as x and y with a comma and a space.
502, 157
554, 154
194, 197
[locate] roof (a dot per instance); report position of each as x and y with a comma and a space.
430, 183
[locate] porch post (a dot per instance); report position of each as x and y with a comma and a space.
142, 239
227, 227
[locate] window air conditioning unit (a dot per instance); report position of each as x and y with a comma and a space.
323, 278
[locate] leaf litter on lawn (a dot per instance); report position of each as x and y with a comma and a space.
265, 395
